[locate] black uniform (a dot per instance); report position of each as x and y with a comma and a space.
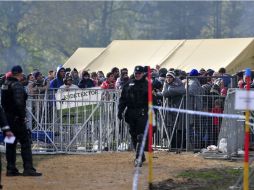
135, 97
3, 121
13, 99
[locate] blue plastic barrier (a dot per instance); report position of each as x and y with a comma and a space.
41, 136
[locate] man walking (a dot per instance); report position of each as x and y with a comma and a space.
13, 100
134, 97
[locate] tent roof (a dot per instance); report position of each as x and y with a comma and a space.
82, 57
210, 53
129, 53
233, 53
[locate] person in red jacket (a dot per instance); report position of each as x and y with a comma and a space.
110, 82
216, 122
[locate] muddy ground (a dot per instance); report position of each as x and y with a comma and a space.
114, 171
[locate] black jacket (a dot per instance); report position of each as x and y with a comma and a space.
13, 99
134, 95
86, 83
3, 120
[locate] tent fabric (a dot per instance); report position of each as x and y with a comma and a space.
129, 53
82, 57
233, 54
244, 60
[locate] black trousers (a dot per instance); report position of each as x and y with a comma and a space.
21, 133
137, 120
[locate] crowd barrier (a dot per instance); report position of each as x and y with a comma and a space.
76, 121
71, 122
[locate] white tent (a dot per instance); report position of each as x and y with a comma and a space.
234, 54
129, 53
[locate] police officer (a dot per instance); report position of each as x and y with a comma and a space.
134, 97
13, 100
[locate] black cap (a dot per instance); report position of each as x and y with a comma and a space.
139, 69
16, 69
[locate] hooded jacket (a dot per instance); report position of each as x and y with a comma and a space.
58, 81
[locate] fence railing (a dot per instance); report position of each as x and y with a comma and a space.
71, 122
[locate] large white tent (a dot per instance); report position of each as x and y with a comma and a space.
234, 54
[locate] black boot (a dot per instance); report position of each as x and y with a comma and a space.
143, 158
138, 163
31, 172
13, 172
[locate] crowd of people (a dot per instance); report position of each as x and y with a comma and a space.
209, 81
170, 84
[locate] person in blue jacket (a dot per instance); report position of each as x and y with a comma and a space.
58, 81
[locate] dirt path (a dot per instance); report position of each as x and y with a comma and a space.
107, 171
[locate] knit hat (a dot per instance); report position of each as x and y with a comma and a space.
171, 73
193, 72
16, 69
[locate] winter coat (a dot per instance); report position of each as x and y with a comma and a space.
3, 120
58, 81
134, 96
86, 83
173, 92
108, 85
13, 99
195, 100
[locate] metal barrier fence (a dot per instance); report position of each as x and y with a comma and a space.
81, 121
184, 131
76, 121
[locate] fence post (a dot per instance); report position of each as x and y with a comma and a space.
187, 118
247, 135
